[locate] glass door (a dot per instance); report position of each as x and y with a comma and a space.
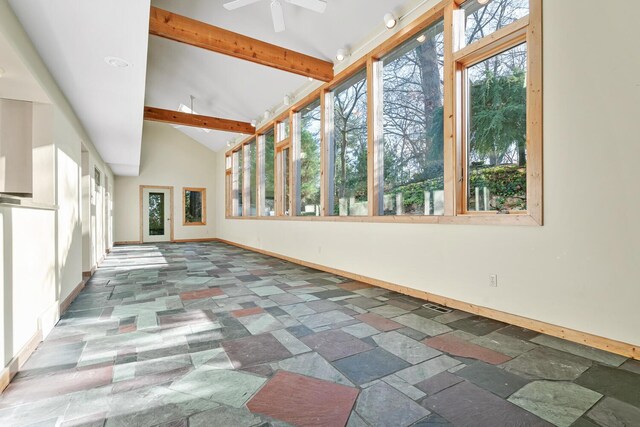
156, 215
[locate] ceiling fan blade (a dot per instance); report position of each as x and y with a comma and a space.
278, 16
238, 4
314, 5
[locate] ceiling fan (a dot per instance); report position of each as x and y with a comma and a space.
276, 9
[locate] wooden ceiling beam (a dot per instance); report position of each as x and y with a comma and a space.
195, 33
194, 120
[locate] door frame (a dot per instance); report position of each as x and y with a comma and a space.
157, 187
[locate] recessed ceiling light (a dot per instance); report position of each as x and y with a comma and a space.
390, 21
341, 54
421, 38
114, 61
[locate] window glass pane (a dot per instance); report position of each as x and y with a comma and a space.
284, 129
227, 162
349, 151
269, 175
193, 206
237, 183
497, 132
156, 214
309, 204
251, 147
482, 20
413, 126
286, 170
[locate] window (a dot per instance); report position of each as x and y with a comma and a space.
482, 20
497, 132
413, 144
308, 173
195, 201
348, 153
251, 171
228, 184
284, 129
283, 184
237, 183
269, 174
440, 123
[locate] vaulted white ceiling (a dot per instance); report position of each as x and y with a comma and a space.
234, 89
74, 36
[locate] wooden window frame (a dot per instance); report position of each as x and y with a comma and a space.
296, 135
204, 205
527, 29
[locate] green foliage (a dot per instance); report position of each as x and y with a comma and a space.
498, 116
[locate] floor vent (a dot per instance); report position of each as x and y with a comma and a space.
437, 307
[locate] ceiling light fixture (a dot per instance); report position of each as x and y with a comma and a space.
254, 123
228, 143
422, 38
287, 100
266, 115
341, 54
390, 21
483, 2
116, 62
310, 79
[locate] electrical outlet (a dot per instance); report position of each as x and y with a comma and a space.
493, 280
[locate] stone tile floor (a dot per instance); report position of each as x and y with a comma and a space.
212, 335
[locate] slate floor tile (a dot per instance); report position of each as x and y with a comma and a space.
382, 405
612, 412
231, 388
255, 350
304, 401
172, 335
518, 332
420, 372
437, 383
335, 344
312, 365
453, 345
422, 324
504, 344
489, 377
549, 364
618, 383
379, 322
561, 403
405, 348
580, 350
477, 325
369, 365
467, 405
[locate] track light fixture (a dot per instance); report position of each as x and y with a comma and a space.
483, 2
390, 21
341, 55
254, 123
287, 100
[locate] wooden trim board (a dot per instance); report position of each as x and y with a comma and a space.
7, 374
69, 299
602, 343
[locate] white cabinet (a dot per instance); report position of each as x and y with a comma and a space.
16, 146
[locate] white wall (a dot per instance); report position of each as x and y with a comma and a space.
41, 242
582, 268
169, 158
